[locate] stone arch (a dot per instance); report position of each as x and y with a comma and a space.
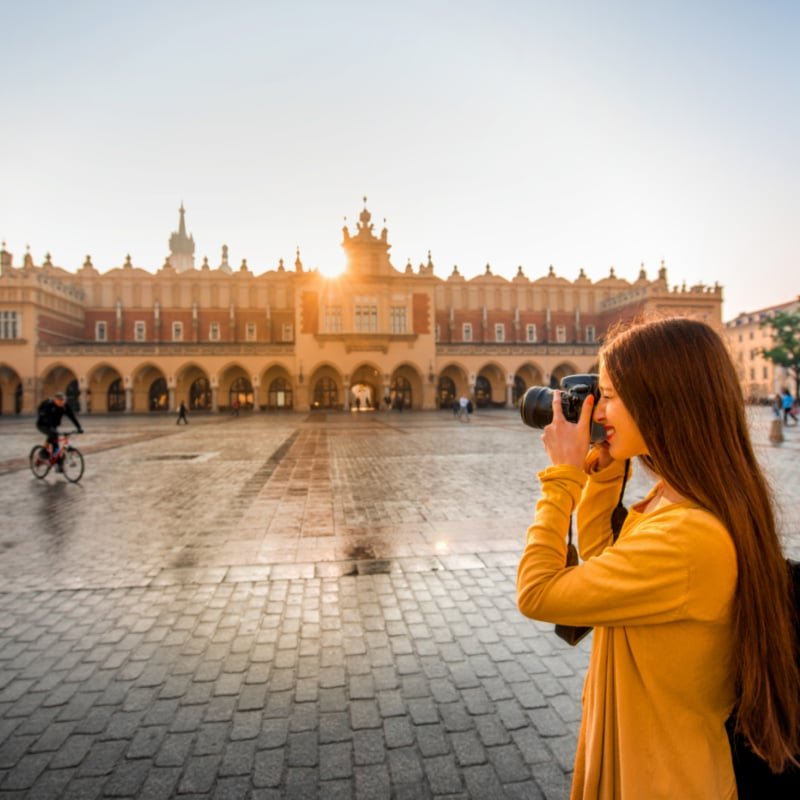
453, 382
10, 390
56, 378
276, 390
326, 387
490, 386
561, 371
405, 388
527, 375
193, 387
149, 391
100, 381
235, 385
366, 386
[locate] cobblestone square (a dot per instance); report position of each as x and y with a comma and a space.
288, 606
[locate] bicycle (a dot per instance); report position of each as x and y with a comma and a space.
68, 457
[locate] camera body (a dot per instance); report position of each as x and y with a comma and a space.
536, 405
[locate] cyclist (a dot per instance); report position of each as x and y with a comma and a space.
49, 417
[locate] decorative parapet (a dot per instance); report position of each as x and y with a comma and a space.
105, 349
519, 349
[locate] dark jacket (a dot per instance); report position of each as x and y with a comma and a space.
50, 415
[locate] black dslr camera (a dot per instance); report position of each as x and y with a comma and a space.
536, 405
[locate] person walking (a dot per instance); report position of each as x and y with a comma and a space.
182, 414
691, 602
787, 403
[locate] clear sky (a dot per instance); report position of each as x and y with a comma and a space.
513, 132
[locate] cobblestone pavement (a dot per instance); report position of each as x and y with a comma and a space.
287, 606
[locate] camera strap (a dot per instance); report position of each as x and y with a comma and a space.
572, 634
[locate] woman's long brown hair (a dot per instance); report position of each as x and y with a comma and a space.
677, 380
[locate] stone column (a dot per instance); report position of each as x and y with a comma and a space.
171, 400
128, 400
346, 392
214, 404
83, 397
256, 385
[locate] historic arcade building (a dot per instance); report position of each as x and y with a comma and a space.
128, 340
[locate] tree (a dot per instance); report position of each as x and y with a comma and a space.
785, 350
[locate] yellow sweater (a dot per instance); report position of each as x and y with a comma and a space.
659, 686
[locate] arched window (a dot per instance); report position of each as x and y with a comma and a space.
116, 396
241, 390
447, 392
159, 396
483, 392
280, 394
200, 395
326, 395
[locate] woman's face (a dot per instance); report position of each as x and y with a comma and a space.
622, 434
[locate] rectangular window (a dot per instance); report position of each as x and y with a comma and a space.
101, 331
287, 332
590, 334
752, 373
10, 326
398, 319
177, 331
438, 332
213, 332
499, 332
561, 333
139, 331
766, 373
250, 332
466, 332
333, 319
366, 318
530, 333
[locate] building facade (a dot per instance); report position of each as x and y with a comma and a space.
128, 340
748, 336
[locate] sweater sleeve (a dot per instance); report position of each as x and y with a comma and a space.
676, 564
599, 498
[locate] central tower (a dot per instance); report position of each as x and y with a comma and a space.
366, 253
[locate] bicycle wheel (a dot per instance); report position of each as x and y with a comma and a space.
39, 461
72, 464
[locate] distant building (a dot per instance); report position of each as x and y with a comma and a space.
129, 340
760, 379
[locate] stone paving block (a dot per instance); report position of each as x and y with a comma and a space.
468, 748
236, 788
199, 775
482, 781
372, 782
25, 771
51, 784
269, 767
101, 758
405, 766
431, 740
335, 761
127, 778
238, 758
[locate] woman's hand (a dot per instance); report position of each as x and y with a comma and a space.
598, 457
568, 442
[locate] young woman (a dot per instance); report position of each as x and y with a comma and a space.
691, 604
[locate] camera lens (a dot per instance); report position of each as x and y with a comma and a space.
536, 407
